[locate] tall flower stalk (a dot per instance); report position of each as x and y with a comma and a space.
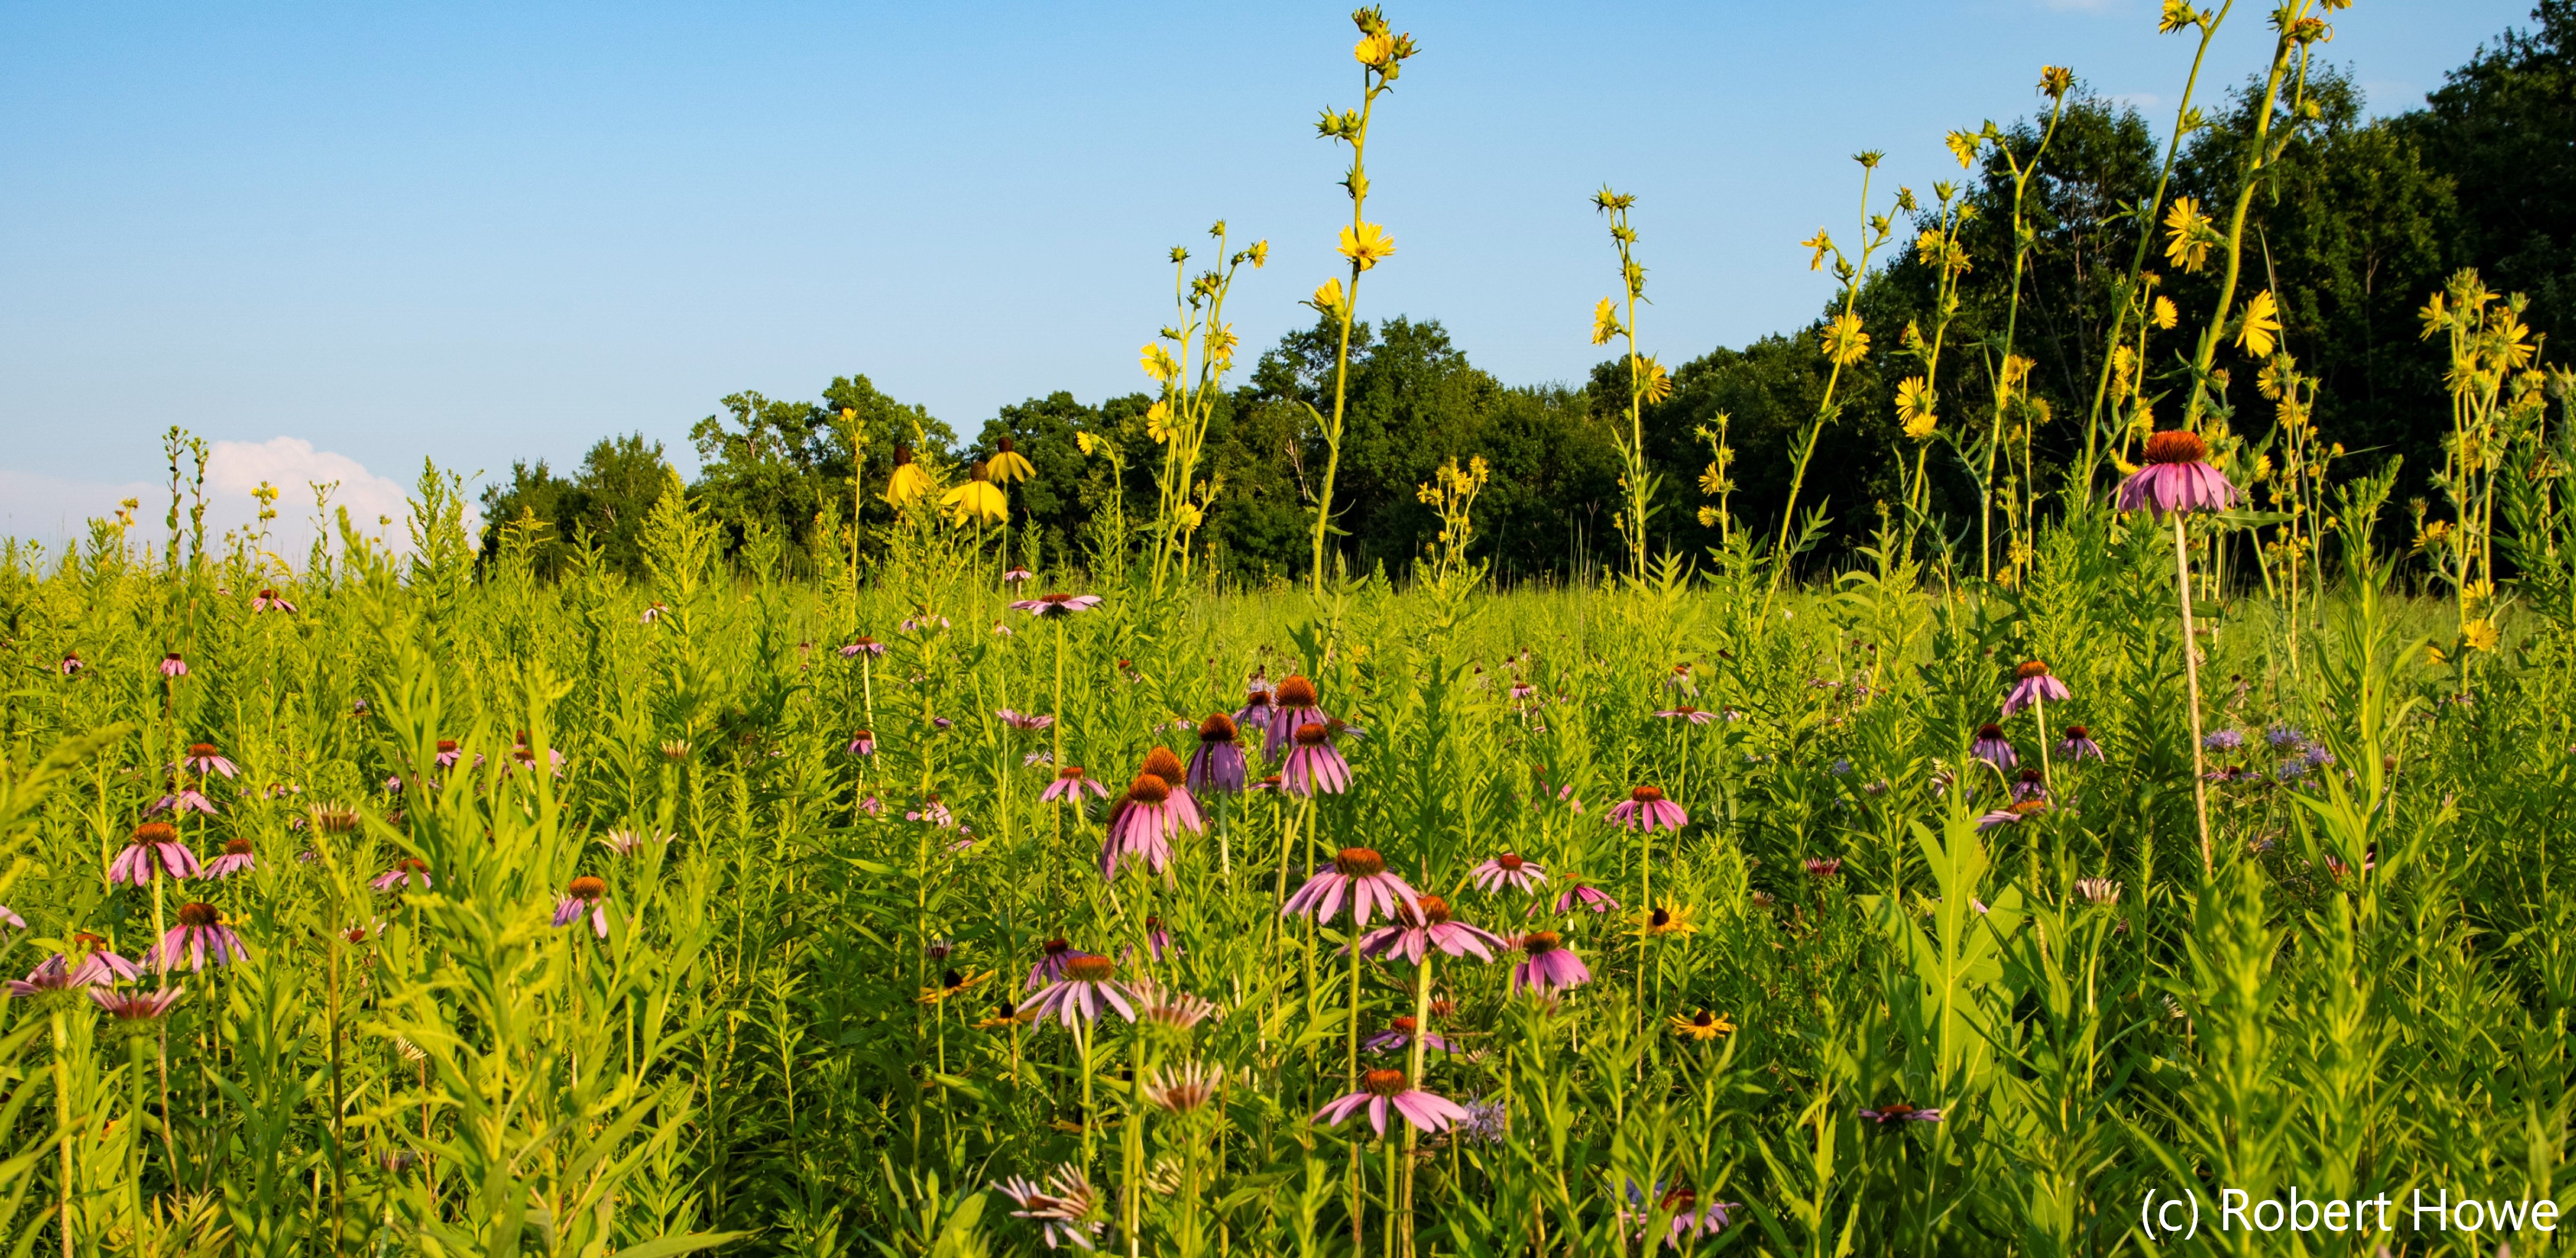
1843, 342
1381, 56
1648, 382
1189, 375
2009, 371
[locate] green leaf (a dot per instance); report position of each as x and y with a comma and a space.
663, 1246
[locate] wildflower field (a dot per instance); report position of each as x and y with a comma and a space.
2176, 821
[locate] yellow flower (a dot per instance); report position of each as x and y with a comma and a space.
1658, 383
1158, 422
1702, 1026
2056, 80
1914, 406
2177, 15
1963, 145
2434, 315
1189, 515
1009, 466
1822, 244
1327, 300
1375, 51
1366, 244
1708, 517
2017, 369
953, 983
1003, 1016
1666, 921
909, 481
1085, 441
2188, 235
2165, 315
1605, 322
1712, 481
2261, 326
975, 501
1259, 253
1157, 362
1844, 342
2479, 635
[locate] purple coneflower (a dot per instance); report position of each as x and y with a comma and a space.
1680, 679
1314, 765
1218, 763
1293, 706
1400, 1034
185, 799
137, 1007
1824, 867
2032, 683
1521, 690
271, 600
1063, 1211
1682, 1203
10, 918
410, 869
1166, 1006
584, 894
1070, 782
2079, 745
1548, 965
1255, 712
1024, 720
71, 663
448, 754
1363, 874
99, 966
1088, 982
1053, 956
1900, 1112
154, 851
864, 743
1992, 747
1163, 763
1647, 809
933, 811
53, 974
1426, 925
201, 930
237, 858
1586, 896
2012, 815
2176, 477
1015, 575
2029, 786
864, 646
1057, 604
173, 666
1141, 826
1696, 716
1158, 942
1381, 1090
1508, 869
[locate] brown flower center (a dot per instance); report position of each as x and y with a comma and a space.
1218, 728
2030, 669
237, 847
1162, 763
1069, 772
198, 915
1659, 917
412, 865
587, 888
202, 750
1296, 692
1359, 862
446, 745
1680, 1200
1088, 969
2177, 447
1312, 734
1382, 1082
1540, 942
1647, 795
1989, 732
1510, 862
2078, 731
155, 832
1056, 947
1404, 1025
1149, 790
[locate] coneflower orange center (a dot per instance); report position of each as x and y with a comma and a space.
587, 887
1149, 790
202, 749
155, 832
1405, 1025
2177, 447
86, 942
1088, 969
2030, 669
1989, 731
1069, 771
2029, 806
1435, 909
412, 865
1359, 862
1312, 734
1647, 794
1162, 763
1218, 728
2078, 731
1382, 1082
1056, 947
198, 915
1510, 862
237, 847
446, 745
1540, 942
1296, 692
1679, 1200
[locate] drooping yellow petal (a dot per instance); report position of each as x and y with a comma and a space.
1327, 300
1158, 362
1822, 244
1605, 322
2260, 327
2165, 315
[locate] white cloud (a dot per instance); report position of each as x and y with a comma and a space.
56, 510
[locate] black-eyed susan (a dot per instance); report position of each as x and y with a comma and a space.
1667, 922
1702, 1026
953, 983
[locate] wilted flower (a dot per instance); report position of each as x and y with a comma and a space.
1063, 1211
864, 646
132, 1008
71, 664
1024, 720
1823, 867
586, 894
237, 858
1057, 604
1901, 1112
51, 975
1587, 896
1381, 1090
1508, 869
153, 851
629, 842
1088, 981
200, 931
2176, 477
2032, 684
1647, 809
1362, 874
1548, 965
2100, 892
1185, 1090
1992, 747
1163, 1006
1423, 925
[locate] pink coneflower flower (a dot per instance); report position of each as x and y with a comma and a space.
1400, 1034
173, 666
935, 812
872, 806
1063, 1211
1218, 763
237, 858
1360, 872
2032, 684
1024, 720
1823, 867
133, 1007
1585, 896
448, 754
270, 600
71, 663
99, 965
1900, 1112
1382, 1090
1547, 965
1521, 690
51, 975
1158, 943
1255, 712
2029, 786
1686, 712
1293, 706
584, 894
1680, 679
153, 851
409, 870
203, 758
1647, 809
1992, 747
864, 646
1424, 926
2079, 745
10, 918
1314, 765
1053, 956
1140, 826
1088, 982
1509, 869
1014, 576
200, 931
1682, 1204
2176, 477
185, 799
2013, 815
1070, 782
1057, 604
864, 743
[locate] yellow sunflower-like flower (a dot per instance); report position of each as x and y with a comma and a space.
2056, 80
1605, 322
952, 983
2480, 635
1158, 362
2188, 235
1658, 383
2165, 315
1328, 300
1085, 442
2177, 15
1158, 422
1713, 480
908, 482
1366, 244
2261, 327
1708, 517
1914, 407
1843, 340
1666, 921
975, 501
1963, 146
1375, 51
1003, 1017
1009, 466
1702, 1026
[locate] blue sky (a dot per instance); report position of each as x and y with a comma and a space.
377, 233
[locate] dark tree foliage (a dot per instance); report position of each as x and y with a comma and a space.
602, 504
2503, 129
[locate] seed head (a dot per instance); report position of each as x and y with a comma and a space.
1359, 862
2177, 446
